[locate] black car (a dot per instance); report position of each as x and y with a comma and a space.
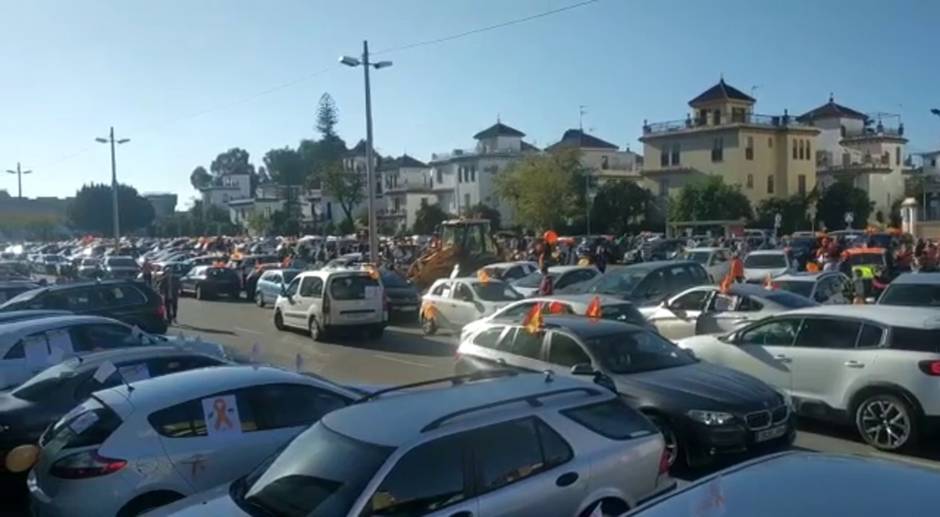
210, 281
11, 288
27, 410
703, 410
403, 297
644, 284
129, 301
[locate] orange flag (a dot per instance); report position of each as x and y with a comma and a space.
428, 311
769, 283
725, 286
483, 276
533, 320
594, 308
556, 307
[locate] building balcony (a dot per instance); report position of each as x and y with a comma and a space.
741, 119
390, 213
878, 131
405, 188
851, 163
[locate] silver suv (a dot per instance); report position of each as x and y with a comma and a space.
496, 443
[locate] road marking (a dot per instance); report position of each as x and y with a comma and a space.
247, 331
403, 361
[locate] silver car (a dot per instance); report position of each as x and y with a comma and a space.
513, 444
706, 310
129, 449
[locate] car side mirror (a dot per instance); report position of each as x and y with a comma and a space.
582, 369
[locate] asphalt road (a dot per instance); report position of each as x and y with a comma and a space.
403, 355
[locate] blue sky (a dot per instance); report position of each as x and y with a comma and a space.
185, 79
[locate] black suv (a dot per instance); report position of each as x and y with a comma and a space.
129, 301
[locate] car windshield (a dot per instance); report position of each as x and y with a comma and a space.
911, 295
625, 312
697, 256
21, 298
44, 381
352, 287
122, 262
639, 351
534, 279
619, 282
320, 473
800, 287
765, 261
862, 259
496, 291
393, 280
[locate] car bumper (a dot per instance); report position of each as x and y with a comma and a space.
705, 443
70, 503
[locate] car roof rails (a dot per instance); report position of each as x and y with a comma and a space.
532, 400
454, 380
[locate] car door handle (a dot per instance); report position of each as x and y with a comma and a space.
782, 358
854, 364
566, 479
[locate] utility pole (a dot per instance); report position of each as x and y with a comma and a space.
19, 179
114, 184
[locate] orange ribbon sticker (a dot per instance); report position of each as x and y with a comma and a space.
221, 415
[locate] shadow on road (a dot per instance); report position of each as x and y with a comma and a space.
186, 326
391, 341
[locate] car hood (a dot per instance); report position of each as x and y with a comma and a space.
701, 385
214, 501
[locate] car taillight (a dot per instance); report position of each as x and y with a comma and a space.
664, 461
87, 464
161, 309
930, 367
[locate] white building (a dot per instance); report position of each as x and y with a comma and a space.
867, 150
464, 178
407, 187
605, 160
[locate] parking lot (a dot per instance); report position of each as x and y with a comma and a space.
403, 354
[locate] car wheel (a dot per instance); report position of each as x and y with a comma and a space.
886, 422
278, 320
259, 299
316, 333
607, 507
671, 440
428, 326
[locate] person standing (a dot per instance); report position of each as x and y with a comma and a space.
170, 291
146, 270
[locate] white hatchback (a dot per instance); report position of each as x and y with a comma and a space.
132, 448
451, 303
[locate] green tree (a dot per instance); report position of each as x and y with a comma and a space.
318, 155
258, 223
794, 213
620, 207
90, 211
841, 198
200, 178
327, 116
233, 161
484, 211
428, 218
545, 189
709, 199
346, 187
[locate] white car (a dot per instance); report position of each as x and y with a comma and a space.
562, 276
451, 303
330, 299
706, 310
612, 308
913, 290
30, 346
874, 366
510, 271
127, 450
826, 287
761, 263
715, 260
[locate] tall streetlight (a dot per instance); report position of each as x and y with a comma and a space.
365, 64
114, 184
19, 179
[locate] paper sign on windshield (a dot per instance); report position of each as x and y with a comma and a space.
86, 420
222, 416
36, 351
104, 371
134, 372
60, 345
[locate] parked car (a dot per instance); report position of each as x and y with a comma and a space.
11, 288
874, 366
516, 445
807, 484
250, 284
25, 412
50, 264
760, 264
404, 300
118, 266
327, 300
271, 284
706, 309
29, 314
205, 427
913, 290
644, 284
703, 410
451, 303
132, 302
510, 271
562, 276
715, 260
577, 304
205, 282
88, 267
826, 287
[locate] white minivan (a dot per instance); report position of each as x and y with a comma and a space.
329, 299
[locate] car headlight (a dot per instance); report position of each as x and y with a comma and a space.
787, 399
710, 417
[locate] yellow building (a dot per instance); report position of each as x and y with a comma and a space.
765, 155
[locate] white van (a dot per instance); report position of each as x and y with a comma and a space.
324, 300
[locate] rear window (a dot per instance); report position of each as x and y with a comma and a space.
496, 292
91, 423
353, 287
790, 300
911, 295
612, 419
917, 340
800, 287
624, 312
122, 295
765, 261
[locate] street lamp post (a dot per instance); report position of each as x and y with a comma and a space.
370, 180
19, 179
114, 184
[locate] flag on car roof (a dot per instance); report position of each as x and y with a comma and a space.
769, 283
556, 307
533, 320
594, 310
483, 276
725, 286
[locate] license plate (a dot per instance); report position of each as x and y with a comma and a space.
407, 307
770, 434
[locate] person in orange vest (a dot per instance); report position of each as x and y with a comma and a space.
736, 269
